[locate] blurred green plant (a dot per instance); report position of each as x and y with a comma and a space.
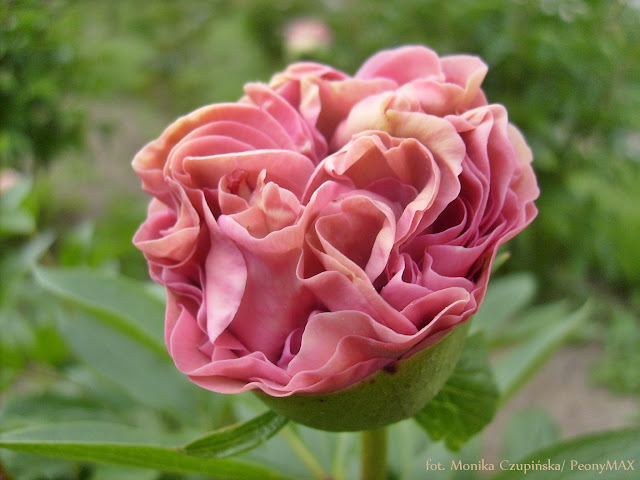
125, 377
619, 368
176, 56
37, 67
28, 332
567, 70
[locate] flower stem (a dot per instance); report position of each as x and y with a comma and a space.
374, 454
303, 453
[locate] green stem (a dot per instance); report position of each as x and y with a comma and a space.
374, 454
303, 453
339, 456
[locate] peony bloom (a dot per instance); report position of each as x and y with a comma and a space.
327, 226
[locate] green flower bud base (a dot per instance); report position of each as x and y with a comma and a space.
392, 394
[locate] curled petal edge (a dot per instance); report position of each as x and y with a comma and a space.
397, 391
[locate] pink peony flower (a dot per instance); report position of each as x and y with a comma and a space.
326, 226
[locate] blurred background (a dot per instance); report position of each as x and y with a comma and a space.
84, 84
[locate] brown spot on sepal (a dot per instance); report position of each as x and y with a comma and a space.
391, 369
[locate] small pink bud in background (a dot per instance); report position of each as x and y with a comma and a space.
8, 178
306, 35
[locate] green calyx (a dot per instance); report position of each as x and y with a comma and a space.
387, 396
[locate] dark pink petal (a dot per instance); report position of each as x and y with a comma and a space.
183, 340
226, 274
337, 292
240, 374
325, 331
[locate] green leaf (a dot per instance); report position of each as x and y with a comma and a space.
611, 455
52, 406
414, 464
15, 217
15, 263
291, 452
307, 444
17, 222
236, 438
528, 430
467, 402
530, 322
138, 369
23, 466
124, 303
117, 472
517, 365
505, 296
121, 445
406, 445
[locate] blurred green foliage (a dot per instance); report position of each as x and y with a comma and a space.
37, 63
620, 367
568, 72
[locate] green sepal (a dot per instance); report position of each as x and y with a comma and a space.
387, 396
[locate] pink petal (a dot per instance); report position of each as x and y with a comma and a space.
275, 302
361, 233
226, 275
402, 64
468, 72
307, 141
166, 240
288, 169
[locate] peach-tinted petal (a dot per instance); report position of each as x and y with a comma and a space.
468, 72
